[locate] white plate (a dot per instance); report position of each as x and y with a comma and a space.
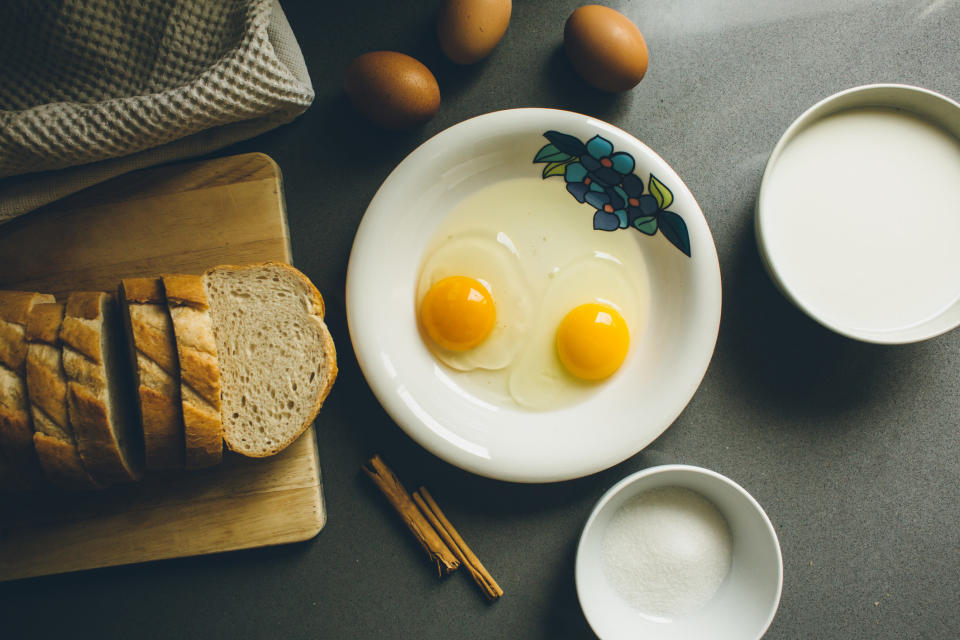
426, 399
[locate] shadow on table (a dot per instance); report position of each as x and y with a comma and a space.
568, 620
567, 90
783, 357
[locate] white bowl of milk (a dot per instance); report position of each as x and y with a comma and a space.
676, 552
858, 216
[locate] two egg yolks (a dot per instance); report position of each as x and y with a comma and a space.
458, 314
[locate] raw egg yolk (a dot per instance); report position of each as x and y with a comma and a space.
458, 313
592, 341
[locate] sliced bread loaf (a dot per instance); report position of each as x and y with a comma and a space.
199, 370
21, 468
99, 389
47, 388
277, 359
156, 370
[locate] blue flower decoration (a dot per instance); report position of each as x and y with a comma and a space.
611, 206
605, 166
604, 179
641, 209
579, 181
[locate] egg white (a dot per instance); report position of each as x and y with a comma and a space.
496, 265
546, 260
538, 380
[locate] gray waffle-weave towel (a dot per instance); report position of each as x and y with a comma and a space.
90, 89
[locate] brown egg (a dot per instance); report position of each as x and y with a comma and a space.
605, 48
469, 29
392, 89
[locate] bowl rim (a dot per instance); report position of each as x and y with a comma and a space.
677, 468
411, 419
827, 106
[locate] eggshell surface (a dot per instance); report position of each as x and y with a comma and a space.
469, 30
605, 48
392, 89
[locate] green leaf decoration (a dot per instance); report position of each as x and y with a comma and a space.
646, 224
550, 153
674, 229
660, 191
556, 168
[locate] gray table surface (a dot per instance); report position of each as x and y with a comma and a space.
853, 449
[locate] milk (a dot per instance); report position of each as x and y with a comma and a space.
862, 219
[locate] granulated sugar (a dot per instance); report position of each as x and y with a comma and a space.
667, 551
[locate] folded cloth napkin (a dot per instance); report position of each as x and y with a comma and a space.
90, 89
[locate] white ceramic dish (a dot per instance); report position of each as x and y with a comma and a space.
427, 400
747, 600
858, 216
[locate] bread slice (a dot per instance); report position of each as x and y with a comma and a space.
99, 390
199, 370
47, 388
21, 469
277, 359
156, 370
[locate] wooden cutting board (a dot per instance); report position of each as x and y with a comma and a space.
185, 218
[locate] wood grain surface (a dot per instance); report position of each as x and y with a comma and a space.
184, 218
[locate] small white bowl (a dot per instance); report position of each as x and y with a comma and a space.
430, 402
858, 215
747, 600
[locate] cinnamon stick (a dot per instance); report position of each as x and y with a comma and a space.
388, 483
455, 541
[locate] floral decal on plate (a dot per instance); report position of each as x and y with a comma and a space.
603, 178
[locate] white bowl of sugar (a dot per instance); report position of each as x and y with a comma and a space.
678, 552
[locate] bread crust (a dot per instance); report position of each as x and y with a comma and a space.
317, 310
48, 391
43, 323
199, 370
152, 343
46, 383
12, 349
95, 440
62, 463
82, 336
86, 393
85, 304
143, 290
16, 430
163, 434
15, 307
201, 448
185, 290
